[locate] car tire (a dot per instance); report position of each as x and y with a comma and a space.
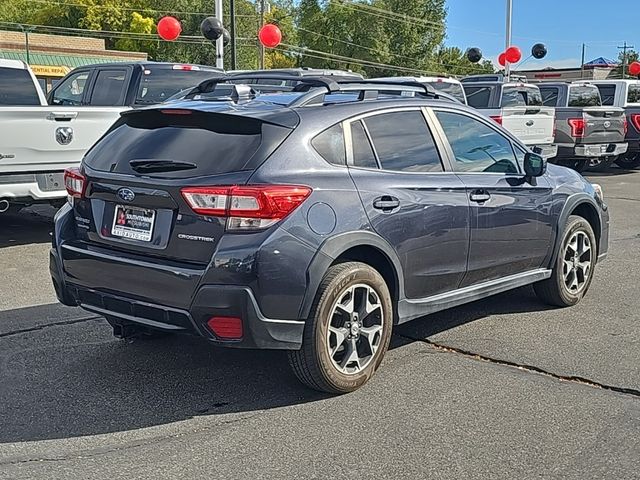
601, 164
629, 162
574, 266
580, 165
347, 332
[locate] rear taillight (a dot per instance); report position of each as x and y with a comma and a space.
577, 127
497, 119
246, 207
635, 120
74, 182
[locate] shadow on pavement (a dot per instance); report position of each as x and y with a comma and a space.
72, 380
25, 227
612, 171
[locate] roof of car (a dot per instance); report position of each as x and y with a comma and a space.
420, 79
297, 72
150, 64
17, 64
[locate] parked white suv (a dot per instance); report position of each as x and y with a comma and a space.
447, 85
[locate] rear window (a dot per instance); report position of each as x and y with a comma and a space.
521, 97
159, 84
607, 94
584, 96
17, 88
215, 143
453, 89
634, 94
478, 97
549, 96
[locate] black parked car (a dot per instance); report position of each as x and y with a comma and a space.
315, 221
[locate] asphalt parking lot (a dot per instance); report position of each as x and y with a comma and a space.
501, 388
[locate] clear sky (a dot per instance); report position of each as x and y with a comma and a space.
562, 25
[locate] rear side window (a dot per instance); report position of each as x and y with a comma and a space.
109, 88
17, 88
634, 94
403, 143
330, 145
214, 143
478, 97
584, 96
549, 96
607, 93
158, 84
521, 97
363, 155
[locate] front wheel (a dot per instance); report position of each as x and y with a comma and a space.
348, 330
573, 270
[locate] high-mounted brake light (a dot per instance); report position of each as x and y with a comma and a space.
186, 67
635, 120
176, 111
577, 127
246, 207
497, 119
74, 182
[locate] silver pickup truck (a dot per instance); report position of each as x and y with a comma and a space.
587, 134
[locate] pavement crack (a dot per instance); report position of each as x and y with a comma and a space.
55, 324
527, 368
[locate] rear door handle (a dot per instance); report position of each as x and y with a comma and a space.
386, 203
480, 196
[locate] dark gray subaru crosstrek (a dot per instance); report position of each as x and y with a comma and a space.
316, 220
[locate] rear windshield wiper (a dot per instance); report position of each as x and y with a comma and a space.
146, 166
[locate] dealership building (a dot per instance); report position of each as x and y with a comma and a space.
51, 57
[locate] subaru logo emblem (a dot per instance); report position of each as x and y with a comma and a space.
64, 135
126, 194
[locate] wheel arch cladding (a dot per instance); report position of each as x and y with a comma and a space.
365, 247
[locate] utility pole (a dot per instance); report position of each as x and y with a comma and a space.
507, 67
624, 49
220, 41
232, 32
260, 46
582, 63
26, 31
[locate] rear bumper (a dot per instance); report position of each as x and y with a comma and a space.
592, 150
31, 186
210, 300
547, 151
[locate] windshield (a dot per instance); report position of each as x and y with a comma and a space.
160, 84
453, 89
584, 96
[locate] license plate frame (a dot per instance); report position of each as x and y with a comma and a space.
133, 223
50, 182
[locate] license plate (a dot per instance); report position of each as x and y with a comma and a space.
50, 182
133, 223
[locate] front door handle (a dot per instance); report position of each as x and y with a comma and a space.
480, 196
386, 203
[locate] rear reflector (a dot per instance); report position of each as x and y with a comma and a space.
74, 182
247, 207
635, 120
577, 127
226, 328
497, 119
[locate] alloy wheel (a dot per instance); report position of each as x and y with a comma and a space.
578, 259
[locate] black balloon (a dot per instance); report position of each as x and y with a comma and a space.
212, 28
539, 51
474, 55
226, 36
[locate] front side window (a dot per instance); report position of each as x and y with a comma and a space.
403, 142
71, 90
634, 94
330, 145
109, 88
476, 146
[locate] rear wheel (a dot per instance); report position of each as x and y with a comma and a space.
600, 164
574, 267
580, 164
629, 161
348, 330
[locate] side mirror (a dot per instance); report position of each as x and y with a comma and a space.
534, 165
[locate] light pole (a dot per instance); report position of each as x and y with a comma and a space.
26, 31
507, 68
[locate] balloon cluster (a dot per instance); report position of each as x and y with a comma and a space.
634, 69
512, 54
212, 29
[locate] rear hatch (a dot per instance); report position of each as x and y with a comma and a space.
602, 125
135, 176
523, 114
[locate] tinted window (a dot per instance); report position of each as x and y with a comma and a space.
363, 155
17, 88
214, 143
584, 96
330, 144
453, 89
158, 84
478, 97
549, 96
634, 94
109, 88
477, 147
403, 142
71, 90
513, 96
607, 94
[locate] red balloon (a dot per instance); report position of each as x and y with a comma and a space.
270, 35
634, 68
513, 55
502, 60
169, 28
